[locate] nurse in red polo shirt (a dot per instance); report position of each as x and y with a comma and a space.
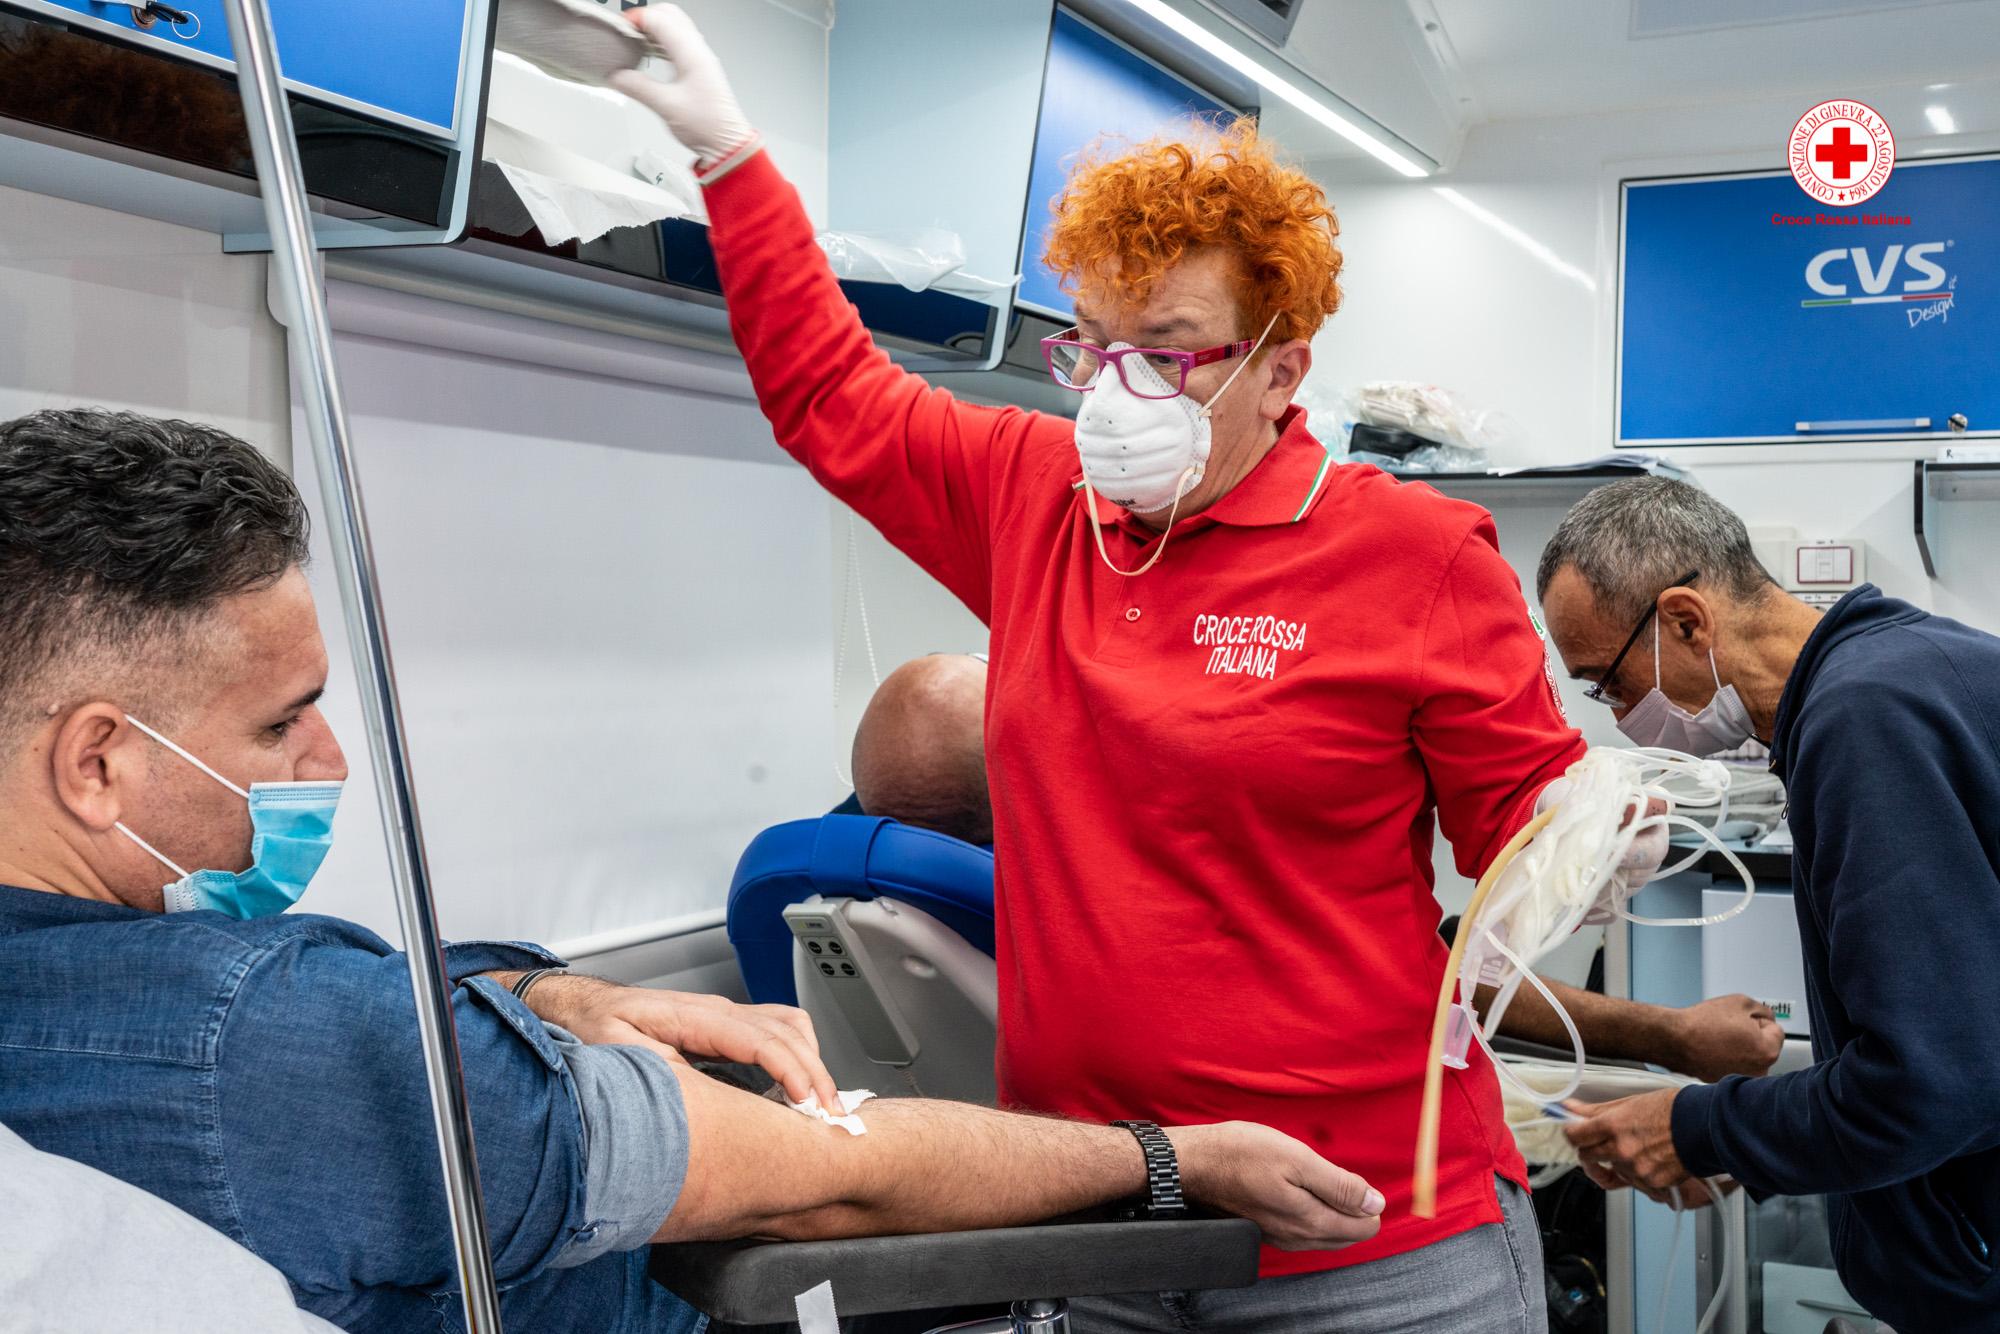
1234, 688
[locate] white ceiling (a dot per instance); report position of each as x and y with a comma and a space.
1430, 69
1524, 59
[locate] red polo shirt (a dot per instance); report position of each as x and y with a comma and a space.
1214, 784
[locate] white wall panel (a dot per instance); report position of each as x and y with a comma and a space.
613, 645
776, 54
909, 614
101, 309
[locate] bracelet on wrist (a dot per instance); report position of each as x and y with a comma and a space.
1163, 1173
529, 978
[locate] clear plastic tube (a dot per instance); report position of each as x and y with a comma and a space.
1732, 1242
1507, 1075
1570, 871
1724, 1278
1735, 864
1561, 871
1569, 1026
1673, 1254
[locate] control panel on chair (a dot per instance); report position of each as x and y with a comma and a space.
884, 934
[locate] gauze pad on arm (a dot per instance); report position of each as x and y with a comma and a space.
850, 1101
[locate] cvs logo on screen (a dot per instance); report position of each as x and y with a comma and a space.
1837, 274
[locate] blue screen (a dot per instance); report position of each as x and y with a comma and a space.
1093, 87
1737, 324
399, 56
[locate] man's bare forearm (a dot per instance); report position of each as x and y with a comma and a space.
930, 1166
1619, 1029
756, 1168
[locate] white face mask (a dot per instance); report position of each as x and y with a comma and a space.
1146, 454
1657, 721
1141, 453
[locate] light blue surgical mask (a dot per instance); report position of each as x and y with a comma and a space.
291, 832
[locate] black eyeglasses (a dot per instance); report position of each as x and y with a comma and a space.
1596, 692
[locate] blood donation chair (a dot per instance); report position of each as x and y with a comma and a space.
883, 933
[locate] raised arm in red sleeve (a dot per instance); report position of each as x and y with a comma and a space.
1488, 723
928, 471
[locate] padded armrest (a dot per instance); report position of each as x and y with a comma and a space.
753, 1283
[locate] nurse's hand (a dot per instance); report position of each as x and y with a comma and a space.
696, 103
1300, 1200
1648, 852
777, 1038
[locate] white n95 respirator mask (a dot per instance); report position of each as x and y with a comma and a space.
1147, 453
1141, 453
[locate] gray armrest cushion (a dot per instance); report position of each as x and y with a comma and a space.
753, 1283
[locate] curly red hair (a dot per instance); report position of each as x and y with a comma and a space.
1126, 217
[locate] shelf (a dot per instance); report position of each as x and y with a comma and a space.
1936, 482
1531, 486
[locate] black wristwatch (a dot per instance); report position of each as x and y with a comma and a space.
1163, 1173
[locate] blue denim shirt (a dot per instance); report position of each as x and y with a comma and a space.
266, 1077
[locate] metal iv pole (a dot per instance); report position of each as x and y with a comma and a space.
293, 252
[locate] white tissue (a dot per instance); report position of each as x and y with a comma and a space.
573, 154
850, 1102
927, 258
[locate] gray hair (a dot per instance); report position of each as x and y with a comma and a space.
1634, 538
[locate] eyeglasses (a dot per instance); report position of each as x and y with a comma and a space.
1598, 691
1076, 364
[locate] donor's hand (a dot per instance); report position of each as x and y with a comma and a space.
1728, 1035
1300, 1200
680, 1024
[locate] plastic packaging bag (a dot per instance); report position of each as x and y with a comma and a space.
930, 257
1456, 438
1328, 412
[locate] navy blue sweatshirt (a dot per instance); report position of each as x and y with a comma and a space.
1888, 740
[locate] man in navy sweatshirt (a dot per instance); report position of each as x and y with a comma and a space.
1884, 722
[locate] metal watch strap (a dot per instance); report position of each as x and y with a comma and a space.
1163, 1172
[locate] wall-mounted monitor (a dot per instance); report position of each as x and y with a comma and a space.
1092, 86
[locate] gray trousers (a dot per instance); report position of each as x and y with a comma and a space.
1486, 1281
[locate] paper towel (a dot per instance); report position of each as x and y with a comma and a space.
576, 155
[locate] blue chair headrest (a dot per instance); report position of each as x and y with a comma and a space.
854, 857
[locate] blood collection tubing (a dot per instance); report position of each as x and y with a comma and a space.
1563, 880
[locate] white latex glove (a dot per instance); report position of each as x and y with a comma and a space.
1552, 796
696, 104
1646, 856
